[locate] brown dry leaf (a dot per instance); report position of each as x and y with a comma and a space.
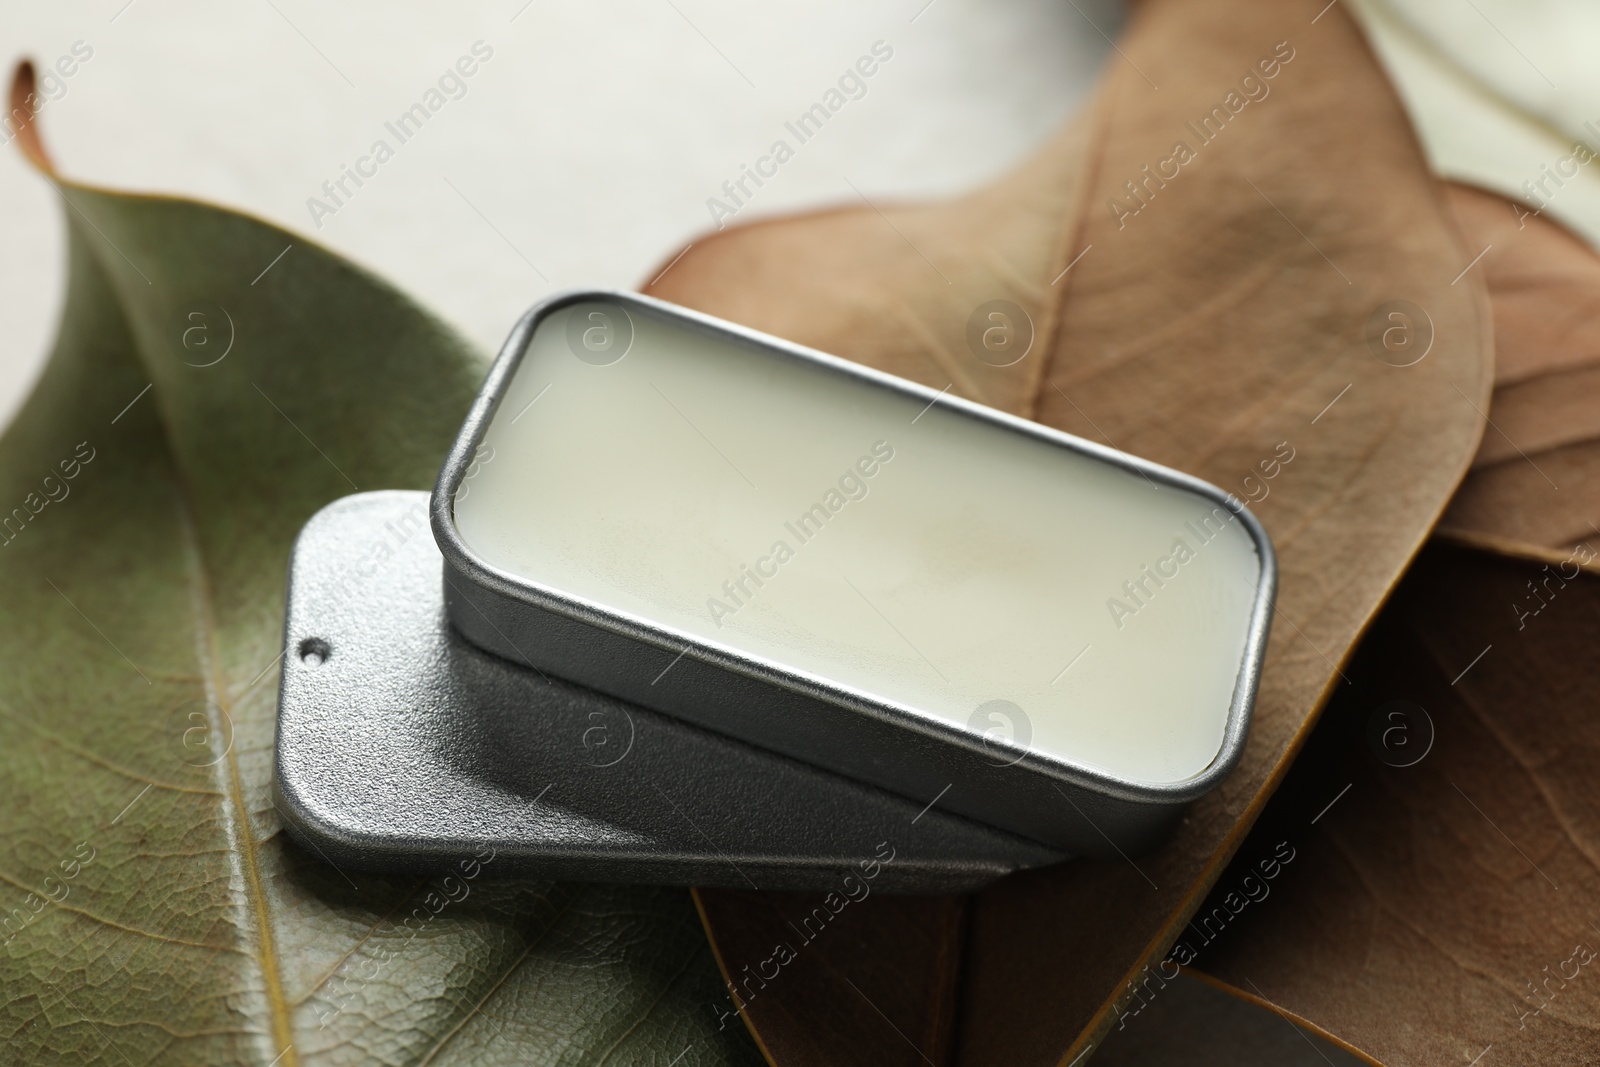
1536, 478
1445, 907
1195, 1021
886, 966
1224, 322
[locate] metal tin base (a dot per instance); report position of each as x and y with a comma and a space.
918, 745
403, 746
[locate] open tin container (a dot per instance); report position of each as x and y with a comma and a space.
899, 586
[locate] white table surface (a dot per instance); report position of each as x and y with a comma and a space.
590, 141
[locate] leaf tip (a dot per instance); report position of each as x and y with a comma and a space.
24, 105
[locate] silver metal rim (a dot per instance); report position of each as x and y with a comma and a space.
458, 555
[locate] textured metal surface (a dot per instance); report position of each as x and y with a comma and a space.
401, 745
1070, 806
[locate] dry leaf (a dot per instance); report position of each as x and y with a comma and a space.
1536, 478
215, 382
878, 977
1237, 315
1195, 1021
1443, 907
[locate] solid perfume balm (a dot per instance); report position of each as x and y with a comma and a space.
861, 573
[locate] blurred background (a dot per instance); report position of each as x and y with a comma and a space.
582, 152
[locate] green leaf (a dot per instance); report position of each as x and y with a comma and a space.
153, 909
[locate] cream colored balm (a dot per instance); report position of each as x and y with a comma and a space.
1049, 598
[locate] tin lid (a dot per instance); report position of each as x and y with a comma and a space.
402, 746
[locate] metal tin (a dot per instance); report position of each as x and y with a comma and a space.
402, 746
1056, 800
